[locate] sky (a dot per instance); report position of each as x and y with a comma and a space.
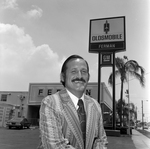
37, 36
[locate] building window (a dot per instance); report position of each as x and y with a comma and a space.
4, 97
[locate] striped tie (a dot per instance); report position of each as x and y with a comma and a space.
82, 118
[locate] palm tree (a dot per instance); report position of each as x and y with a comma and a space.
124, 109
124, 69
132, 114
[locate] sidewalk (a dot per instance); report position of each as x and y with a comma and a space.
140, 141
135, 141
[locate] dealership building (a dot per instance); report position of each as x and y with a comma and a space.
27, 104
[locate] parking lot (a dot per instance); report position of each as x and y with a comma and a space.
29, 139
19, 138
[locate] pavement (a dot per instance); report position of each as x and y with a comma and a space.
140, 141
29, 139
135, 141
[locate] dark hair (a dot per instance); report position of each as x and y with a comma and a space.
64, 66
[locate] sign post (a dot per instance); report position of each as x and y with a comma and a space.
106, 37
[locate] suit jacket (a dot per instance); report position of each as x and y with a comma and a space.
59, 123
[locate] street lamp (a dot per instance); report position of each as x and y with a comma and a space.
127, 92
136, 117
21, 97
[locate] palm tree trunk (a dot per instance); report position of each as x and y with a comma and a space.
121, 98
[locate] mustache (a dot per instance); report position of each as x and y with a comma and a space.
78, 79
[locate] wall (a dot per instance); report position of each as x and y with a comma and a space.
14, 106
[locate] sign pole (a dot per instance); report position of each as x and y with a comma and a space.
114, 101
107, 35
99, 77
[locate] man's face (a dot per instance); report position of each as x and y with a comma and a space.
76, 76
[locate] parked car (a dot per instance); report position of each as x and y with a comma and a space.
18, 123
145, 126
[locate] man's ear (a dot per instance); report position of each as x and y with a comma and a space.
89, 77
62, 77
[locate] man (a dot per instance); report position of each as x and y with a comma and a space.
61, 124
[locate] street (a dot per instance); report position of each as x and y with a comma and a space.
19, 138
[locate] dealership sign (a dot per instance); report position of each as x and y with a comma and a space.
107, 34
106, 59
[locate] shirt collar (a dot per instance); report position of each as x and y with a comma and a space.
74, 98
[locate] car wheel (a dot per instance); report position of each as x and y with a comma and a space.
21, 127
9, 127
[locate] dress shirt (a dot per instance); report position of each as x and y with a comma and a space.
75, 99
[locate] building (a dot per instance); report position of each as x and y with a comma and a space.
12, 104
27, 104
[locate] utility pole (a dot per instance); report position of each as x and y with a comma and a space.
142, 115
127, 92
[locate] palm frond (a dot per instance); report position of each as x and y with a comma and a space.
110, 79
140, 78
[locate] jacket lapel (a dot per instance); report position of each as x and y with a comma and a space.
71, 116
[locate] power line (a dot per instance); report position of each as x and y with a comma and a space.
129, 80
